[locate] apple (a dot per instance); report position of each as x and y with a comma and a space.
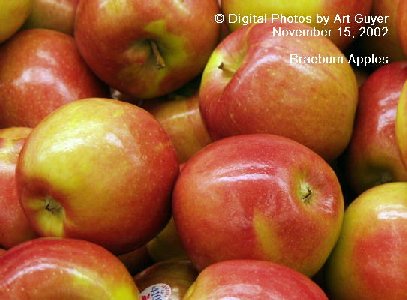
261, 197
53, 14
342, 13
252, 280
383, 39
158, 45
136, 260
373, 157
181, 119
2, 252
167, 244
170, 279
402, 24
254, 82
12, 16
401, 124
63, 269
14, 226
99, 170
369, 260
40, 70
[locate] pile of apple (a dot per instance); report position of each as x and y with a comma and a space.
149, 152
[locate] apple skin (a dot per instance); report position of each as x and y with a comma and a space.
2, 252
53, 14
181, 119
14, 226
40, 70
177, 275
99, 170
373, 156
252, 280
401, 124
12, 16
247, 87
63, 269
183, 32
301, 8
402, 24
136, 260
259, 197
369, 260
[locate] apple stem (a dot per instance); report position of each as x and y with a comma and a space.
228, 70
52, 206
159, 59
306, 193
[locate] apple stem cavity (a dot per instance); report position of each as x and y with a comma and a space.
158, 57
305, 192
227, 69
52, 206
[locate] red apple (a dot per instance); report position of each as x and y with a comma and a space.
136, 260
170, 278
252, 280
402, 24
63, 269
181, 119
99, 170
158, 45
2, 252
255, 82
373, 154
369, 260
12, 16
53, 14
40, 70
14, 226
342, 14
259, 197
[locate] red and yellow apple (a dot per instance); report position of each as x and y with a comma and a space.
369, 261
401, 124
40, 70
253, 280
346, 12
158, 45
259, 82
373, 156
53, 14
259, 197
99, 170
63, 269
14, 226
12, 16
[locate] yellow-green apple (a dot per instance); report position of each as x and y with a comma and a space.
401, 124
63, 269
181, 119
342, 14
260, 197
12, 16
14, 226
248, 87
369, 260
136, 260
99, 170
383, 40
373, 156
170, 279
402, 24
167, 244
53, 14
252, 280
158, 45
40, 70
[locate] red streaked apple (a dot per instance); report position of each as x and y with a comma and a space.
253, 280
349, 12
255, 82
171, 277
63, 269
401, 124
402, 24
99, 170
53, 14
14, 226
158, 45
40, 70
12, 16
261, 197
369, 261
373, 156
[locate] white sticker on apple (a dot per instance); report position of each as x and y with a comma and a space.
159, 291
